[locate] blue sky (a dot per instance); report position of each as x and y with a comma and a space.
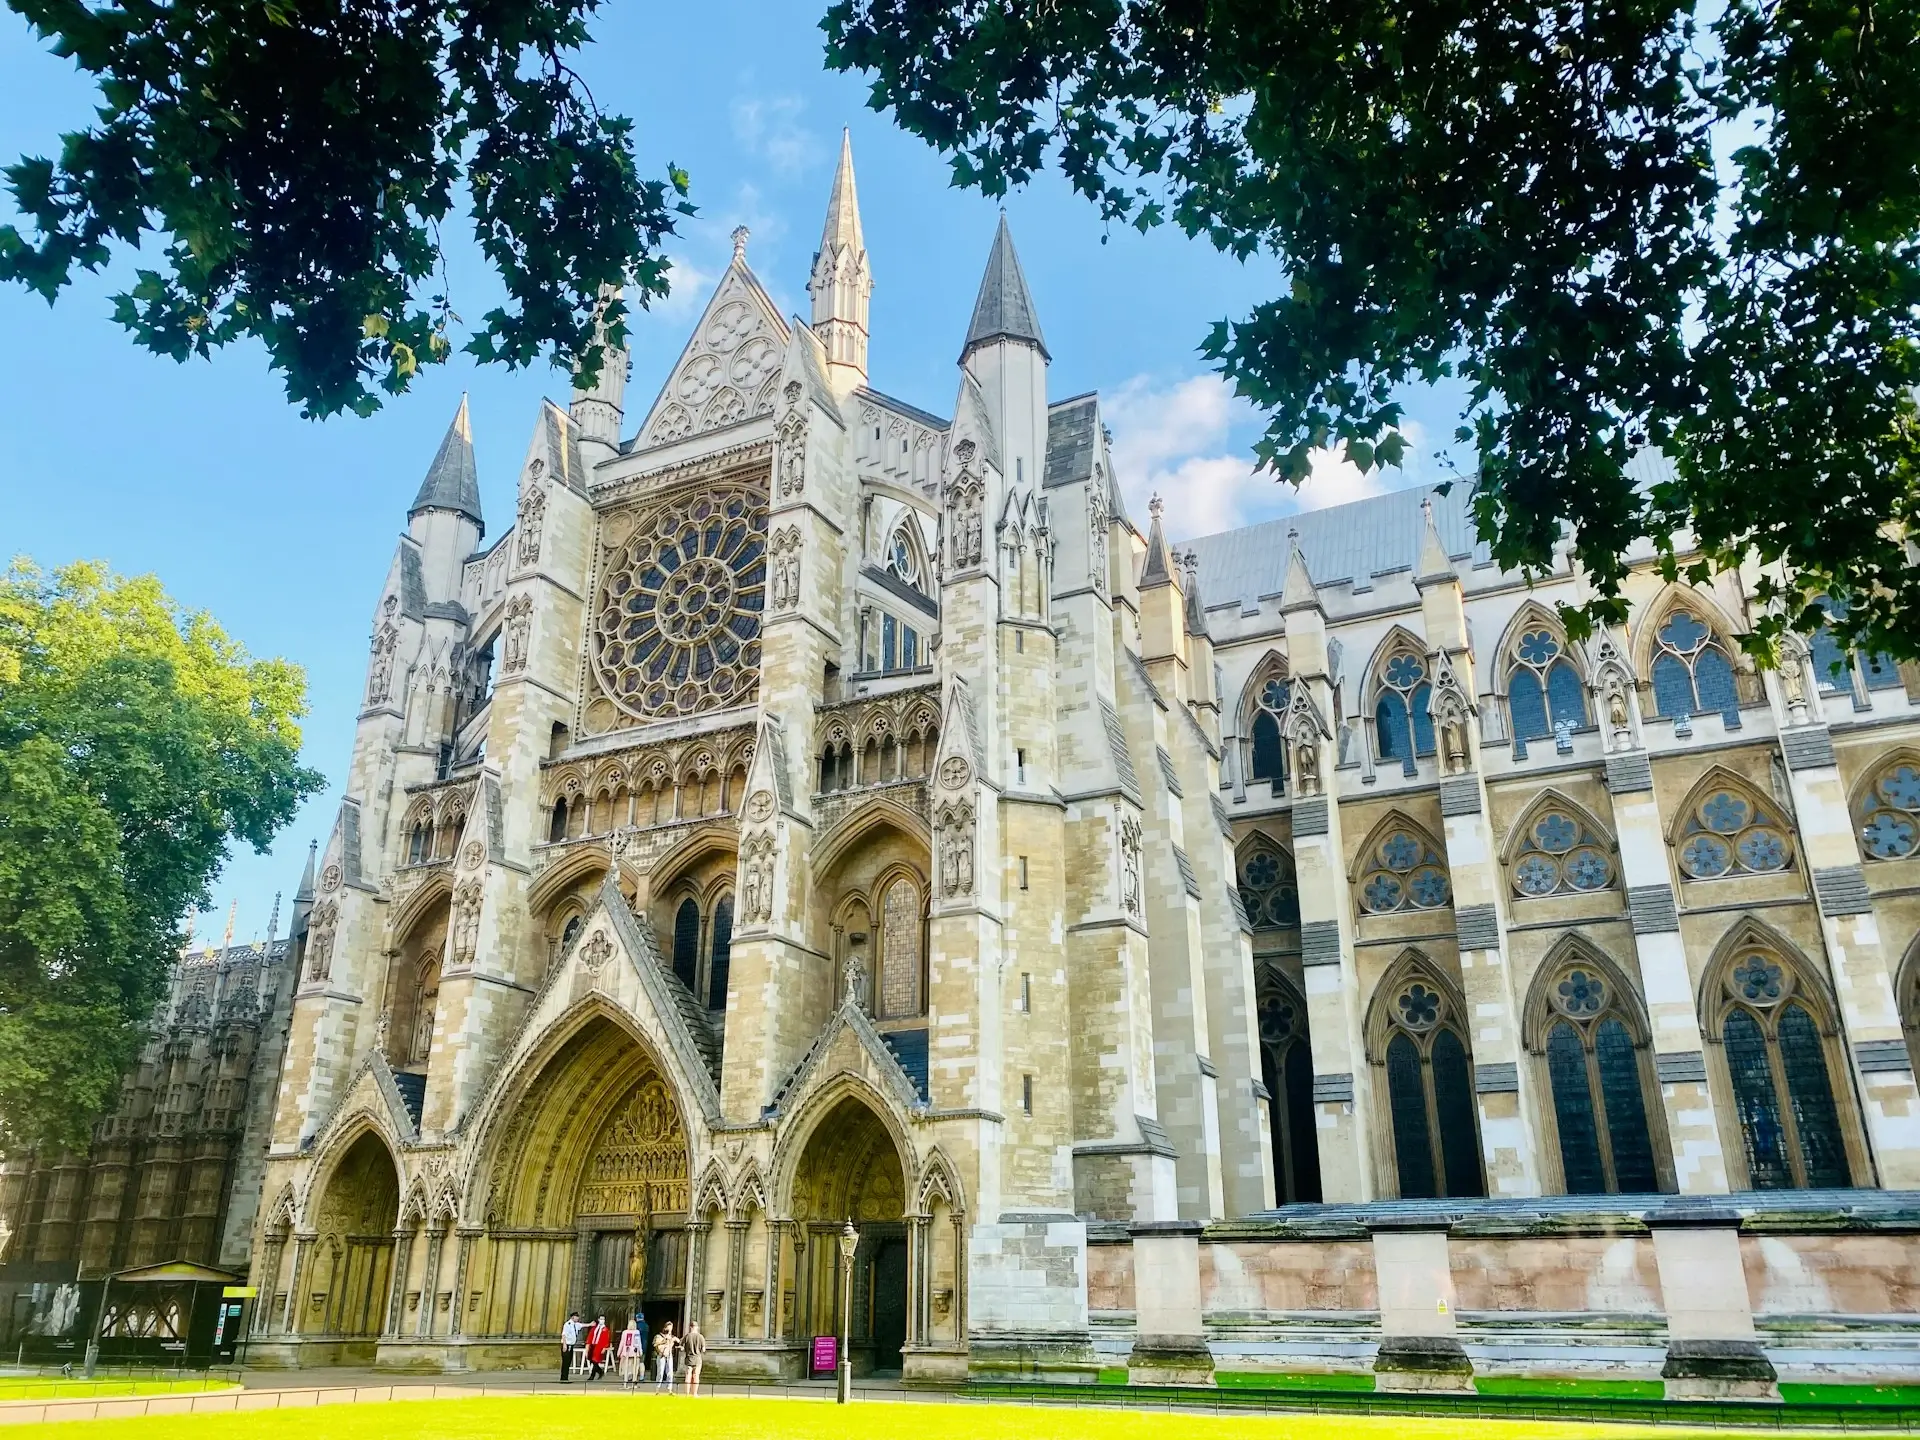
283, 528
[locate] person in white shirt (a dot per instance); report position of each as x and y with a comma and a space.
569, 1342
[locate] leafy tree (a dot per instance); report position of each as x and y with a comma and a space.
136, 742
1622, 223
289, 164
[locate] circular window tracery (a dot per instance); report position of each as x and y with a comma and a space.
677, 629
1728, 834
1404, 873
1559, 855
1889, 815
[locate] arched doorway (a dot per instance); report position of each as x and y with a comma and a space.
588, 1193
851, 1169
352, 1266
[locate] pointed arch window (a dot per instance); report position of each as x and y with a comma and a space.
1543, 688
1402, 726
686, 942
903, 559
1780, 1056
557, 831
1729, 833
1835, 668
1692, 673
1268, 887
1598, 1073
1266, 750
901, 989
1888, 814
417, 844
1286, 1067
720, 957
1403, 872
1436, 1142
1561, 855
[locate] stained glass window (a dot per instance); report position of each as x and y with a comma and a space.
1268, 888
903, 559
1559, 855
1597, 1079
1780, 1072
686, 942
1404, 872
1430, 1094
677, 626
722, 954
1268, 756
1833, 666
1889, 813
1401, 722
1692, 674
1543, 689
1287, 1067
1732, 833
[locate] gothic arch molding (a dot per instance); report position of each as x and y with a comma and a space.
1674, 595
1751, 932
1412, 963
565, 875
707, 841
435, 890
346, 1133
855, 828
826, 1095
1536, 1015
1553, 798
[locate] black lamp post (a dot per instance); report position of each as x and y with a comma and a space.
849, 1242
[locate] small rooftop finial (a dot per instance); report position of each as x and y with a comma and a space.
1293, 535
1426, 508
226, 941
273, 920
1156, 506
1190, 562
740, 234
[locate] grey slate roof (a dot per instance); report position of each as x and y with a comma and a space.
1004, 309
453, 481
1070, 441
900, 407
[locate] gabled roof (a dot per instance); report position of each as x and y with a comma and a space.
1004, 309
730, 368
453, 481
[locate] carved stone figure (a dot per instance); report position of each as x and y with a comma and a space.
1098, 522
533, 518
466, 922
1130, 899
756, 880
386, 642
792, 438
513, 657
1306, 766
964, 503
786, 568
326, 916
596, 952
955, 827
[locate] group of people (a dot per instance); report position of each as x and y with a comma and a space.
588, 1348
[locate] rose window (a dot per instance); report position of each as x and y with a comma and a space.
1728, 834
1404, 873
678, 625
1889, 814
1561, 855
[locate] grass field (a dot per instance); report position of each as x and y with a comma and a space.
677, 1418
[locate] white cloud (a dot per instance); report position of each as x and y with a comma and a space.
1191, 442
768, 127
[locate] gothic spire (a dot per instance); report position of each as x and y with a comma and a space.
1004, 309
1196, 611
1158, 570
597, 411
1298, 588
453, 481
842, 280
305, 892
1435, 563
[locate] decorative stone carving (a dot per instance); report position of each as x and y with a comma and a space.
513, 641
953, 824
760, 806
756, 880
386, 643
326, 917
472, 855
330, 879
730, 370
596, 952
532, 519
966, 499
791, 443
785, 551
1130, 899
955, 773
1098, 523
465, 929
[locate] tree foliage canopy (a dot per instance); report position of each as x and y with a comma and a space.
292, 161
136, 742
1622, 223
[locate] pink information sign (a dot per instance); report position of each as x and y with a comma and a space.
826, 1354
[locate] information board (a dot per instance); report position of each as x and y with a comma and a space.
826, 1354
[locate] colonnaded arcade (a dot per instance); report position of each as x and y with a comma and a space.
815, 808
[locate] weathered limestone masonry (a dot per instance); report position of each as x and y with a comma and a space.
1289, 948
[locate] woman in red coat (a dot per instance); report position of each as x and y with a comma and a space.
599, 1342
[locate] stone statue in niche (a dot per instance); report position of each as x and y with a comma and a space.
792, 437
956, 849
320, 940
466, 922
1098, 522
786, 568
1306, 766
756, 880
513, 641
386, 642
533, 517
1130, 865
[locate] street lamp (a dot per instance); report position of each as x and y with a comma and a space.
849, 1242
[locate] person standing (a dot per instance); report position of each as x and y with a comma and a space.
696, 1356
645, 1349
599, 1341
569, 1339
629, 1353
663, 1347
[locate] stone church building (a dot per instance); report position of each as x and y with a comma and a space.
1272, 951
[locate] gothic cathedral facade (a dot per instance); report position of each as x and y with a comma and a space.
814, 810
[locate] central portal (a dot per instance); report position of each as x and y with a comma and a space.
851, 1170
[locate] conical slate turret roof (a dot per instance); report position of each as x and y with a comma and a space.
1004, 309
453, 481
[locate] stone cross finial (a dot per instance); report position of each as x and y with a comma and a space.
1191, 562
1155, 506
740, 243
1426, 508
1293, 535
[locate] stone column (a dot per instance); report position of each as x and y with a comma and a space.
430, 1279
916, 1277
1713, 1351
736, 1265
696, 1271
1679, 1052
296, 1277
462, 1259
1170, 1343
1419, 1346
267, 1278
1860, 967
397, 1288
581, 1271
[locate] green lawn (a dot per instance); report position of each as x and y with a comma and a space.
678, 1418
52, 1387
1801, 1394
